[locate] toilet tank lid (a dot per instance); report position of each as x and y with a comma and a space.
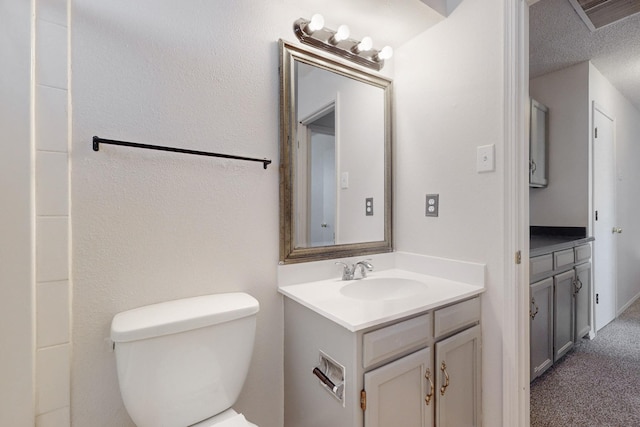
181, 315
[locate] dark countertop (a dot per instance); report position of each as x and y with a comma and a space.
540, 245
545, 240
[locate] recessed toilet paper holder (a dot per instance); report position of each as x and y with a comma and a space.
331, 375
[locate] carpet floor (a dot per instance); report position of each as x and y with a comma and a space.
597, 384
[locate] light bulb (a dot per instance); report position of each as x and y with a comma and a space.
365, 44
316, 23
385, 53
341, 34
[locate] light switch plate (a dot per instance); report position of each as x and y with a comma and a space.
432, 205
344, 180
485, 160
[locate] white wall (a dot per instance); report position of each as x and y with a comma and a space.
150, 226
449, 99
17, 323
627, 136
565, 201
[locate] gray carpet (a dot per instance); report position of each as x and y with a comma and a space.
596, 384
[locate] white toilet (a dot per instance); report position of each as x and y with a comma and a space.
183, 363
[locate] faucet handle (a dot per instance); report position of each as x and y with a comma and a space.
348, 270
365, 266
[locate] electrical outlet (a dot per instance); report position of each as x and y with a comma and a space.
368, 206
432, 205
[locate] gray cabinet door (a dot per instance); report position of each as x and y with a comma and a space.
538, 145
583, 299
458, 380
563, 317
396, 392
541, 326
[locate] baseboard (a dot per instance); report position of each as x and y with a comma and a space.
628, 304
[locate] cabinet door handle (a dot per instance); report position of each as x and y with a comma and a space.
533, 166
443, 368
575, 284
535, 311
427, 398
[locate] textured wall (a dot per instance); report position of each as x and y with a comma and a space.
150, 226
16, 228
449, 89
565, 201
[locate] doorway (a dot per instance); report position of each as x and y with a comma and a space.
316, 178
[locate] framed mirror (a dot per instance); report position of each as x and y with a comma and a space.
335, 158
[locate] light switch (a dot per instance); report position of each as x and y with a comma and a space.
485, 160
344, 180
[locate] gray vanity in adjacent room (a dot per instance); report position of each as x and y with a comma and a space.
560, 293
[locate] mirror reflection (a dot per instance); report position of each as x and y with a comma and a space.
340, 158
335, 183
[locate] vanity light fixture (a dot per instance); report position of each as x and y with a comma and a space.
314, 33
316, 23
342, 34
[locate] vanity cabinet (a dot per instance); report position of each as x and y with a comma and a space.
422, 371
560, 298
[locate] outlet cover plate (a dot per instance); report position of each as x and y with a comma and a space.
432, 205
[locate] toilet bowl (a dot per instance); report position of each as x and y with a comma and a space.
183, 363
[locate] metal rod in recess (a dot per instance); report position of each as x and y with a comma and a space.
97, 141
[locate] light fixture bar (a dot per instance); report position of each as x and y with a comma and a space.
334, 42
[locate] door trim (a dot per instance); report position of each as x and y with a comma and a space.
515, 316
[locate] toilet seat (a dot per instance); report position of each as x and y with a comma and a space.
228, 418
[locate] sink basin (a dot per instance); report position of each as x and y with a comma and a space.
383, 288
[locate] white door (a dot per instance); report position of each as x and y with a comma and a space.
322, 188
604, 218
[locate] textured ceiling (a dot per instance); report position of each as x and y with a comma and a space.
558, 38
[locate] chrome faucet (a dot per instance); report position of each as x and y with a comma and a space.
365, 266
349, 271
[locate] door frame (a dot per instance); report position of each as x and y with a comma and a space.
515, 356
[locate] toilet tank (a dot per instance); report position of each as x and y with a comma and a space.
182, 361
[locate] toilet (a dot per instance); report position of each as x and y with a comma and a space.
183, 363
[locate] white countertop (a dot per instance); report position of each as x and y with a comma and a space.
324, 297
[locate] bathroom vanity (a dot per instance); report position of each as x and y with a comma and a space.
393, 349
